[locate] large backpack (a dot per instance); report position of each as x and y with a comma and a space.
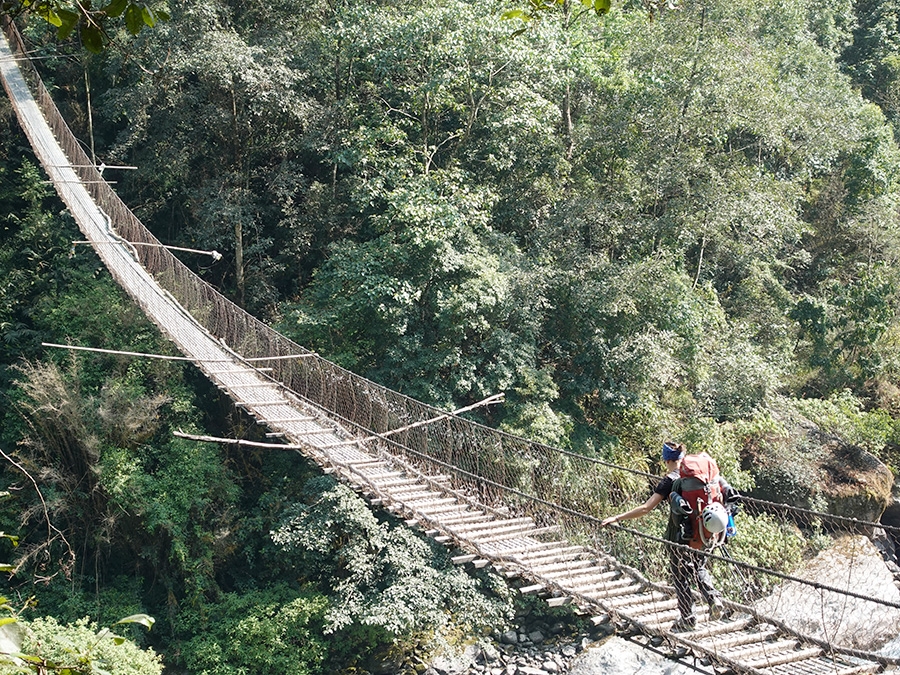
699, 476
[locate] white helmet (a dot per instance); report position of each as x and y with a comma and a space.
715, 518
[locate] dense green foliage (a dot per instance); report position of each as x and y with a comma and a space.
77, 649
621, 224
635, 229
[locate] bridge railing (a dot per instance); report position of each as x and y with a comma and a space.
555, 487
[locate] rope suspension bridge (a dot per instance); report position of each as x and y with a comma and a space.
501, 500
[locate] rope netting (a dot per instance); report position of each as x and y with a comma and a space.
783, 563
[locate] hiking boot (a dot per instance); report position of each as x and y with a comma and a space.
684, 624
716, 609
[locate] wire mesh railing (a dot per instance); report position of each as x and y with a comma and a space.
761, 571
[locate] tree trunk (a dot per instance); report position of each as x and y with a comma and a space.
238, 225
239, 259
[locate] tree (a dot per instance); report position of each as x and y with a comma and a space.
93, 25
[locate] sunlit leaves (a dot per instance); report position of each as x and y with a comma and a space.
92, 22
81, 649
376, 574
144, 620
539, 8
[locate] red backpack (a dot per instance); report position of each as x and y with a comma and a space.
700, 487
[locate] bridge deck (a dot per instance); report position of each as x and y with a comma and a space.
516, 546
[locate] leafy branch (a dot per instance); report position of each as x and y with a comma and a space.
92, 23
83, 661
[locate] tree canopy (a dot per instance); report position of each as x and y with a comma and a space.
635, 228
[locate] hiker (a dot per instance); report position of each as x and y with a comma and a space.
686, 565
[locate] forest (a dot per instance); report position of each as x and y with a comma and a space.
673, 221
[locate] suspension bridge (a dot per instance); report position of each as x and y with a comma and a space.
497, 499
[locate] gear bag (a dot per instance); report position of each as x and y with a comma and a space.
700, 486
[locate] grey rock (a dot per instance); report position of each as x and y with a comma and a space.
387, 665
550, 666
537, 637
854, 564
510, 637
557, 628
489, 653
620, 657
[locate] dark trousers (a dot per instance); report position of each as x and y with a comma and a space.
689, 567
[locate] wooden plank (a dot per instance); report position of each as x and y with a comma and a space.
463, 559
615, 592
438, 505
826, 666
465, 517
515, 535
438, 511
643, 597
553, 554
792, 656
254, 385
494, 526
762, 648
394, 482
364, 465
644, 608
530, 590
865, 668
739, 638
417, 495
560, 601
721, 628
516, 552
618, 582
575, 576
660, 620
573, 564
411, 488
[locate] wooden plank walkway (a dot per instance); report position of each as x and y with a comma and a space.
516, 546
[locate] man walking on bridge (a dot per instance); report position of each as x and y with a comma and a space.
686, 565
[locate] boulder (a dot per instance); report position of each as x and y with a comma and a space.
857, 484
806, 467
891, 516
616, 656
852, 564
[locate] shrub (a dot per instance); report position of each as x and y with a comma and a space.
277, 631
382, 580
80, 647
842, 414
763, 541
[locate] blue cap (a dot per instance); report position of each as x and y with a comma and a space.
670, 453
